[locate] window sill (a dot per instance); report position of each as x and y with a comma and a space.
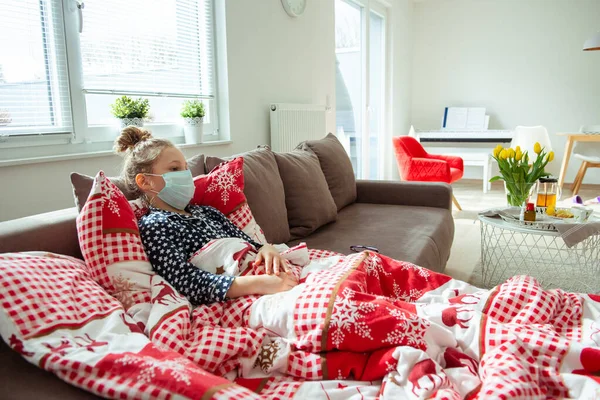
92, 154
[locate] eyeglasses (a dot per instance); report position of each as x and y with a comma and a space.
358, 248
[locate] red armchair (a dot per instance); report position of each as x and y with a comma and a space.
415, 164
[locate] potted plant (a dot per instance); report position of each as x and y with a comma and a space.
130, 111
519, 173
5, 117
192, 113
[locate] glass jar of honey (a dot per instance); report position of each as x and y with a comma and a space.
546, 192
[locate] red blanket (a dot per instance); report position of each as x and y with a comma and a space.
363, 325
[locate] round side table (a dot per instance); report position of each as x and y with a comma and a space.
508, 250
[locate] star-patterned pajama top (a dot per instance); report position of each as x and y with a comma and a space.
170, 239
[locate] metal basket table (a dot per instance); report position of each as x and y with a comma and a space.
508, 250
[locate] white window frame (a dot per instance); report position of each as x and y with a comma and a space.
96, 134
53, 135
382, 8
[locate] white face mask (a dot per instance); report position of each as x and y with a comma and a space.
179, 188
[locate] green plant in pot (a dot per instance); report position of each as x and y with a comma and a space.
192, 112
5, 117
130, 111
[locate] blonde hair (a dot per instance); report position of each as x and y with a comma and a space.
140, 150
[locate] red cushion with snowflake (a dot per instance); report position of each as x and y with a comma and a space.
223, 188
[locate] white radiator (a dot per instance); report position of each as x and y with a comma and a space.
295, 123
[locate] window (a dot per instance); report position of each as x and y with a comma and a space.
361, 68
162, 50
34, 92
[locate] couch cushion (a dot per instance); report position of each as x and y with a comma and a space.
421, 235
307, 198
337, 168
264, 192
196, 165
223, 189
82, 184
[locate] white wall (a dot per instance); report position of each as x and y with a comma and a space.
523, 60
271, 58
275, 58
520, 59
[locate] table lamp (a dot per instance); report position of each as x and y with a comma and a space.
592, 43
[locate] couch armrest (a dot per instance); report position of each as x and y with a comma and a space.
426, 194
54, 232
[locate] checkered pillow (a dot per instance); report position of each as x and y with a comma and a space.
223, 189
41, 292
111, 246
243, 219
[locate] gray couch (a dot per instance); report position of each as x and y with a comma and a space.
406, 221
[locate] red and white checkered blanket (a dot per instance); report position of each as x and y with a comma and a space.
361, 325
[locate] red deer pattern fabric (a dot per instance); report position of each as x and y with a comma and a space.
112, 248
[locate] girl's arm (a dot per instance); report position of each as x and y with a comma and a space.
169, 260
261, 284
267, 254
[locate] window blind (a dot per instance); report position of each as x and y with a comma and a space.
148, 47
34, 92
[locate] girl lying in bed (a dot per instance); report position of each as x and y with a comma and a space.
173, 229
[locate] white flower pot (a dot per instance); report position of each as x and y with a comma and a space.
193, 129
5, 118
125, 122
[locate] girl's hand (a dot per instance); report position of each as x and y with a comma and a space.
261, 284
271, 284
273, 261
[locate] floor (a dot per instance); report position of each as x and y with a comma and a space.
465, 256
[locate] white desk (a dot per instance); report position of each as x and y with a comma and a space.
472, 157
571, 139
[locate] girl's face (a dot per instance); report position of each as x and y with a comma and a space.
170, 159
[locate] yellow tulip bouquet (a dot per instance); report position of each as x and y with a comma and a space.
518, 174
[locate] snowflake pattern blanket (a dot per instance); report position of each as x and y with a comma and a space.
359, 326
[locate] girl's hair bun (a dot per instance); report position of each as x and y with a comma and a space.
130, 137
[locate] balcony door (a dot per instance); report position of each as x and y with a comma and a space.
361, 89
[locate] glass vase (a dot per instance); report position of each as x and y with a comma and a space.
517, 192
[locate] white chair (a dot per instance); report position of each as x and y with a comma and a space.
588, 153
526, 136
413, 134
